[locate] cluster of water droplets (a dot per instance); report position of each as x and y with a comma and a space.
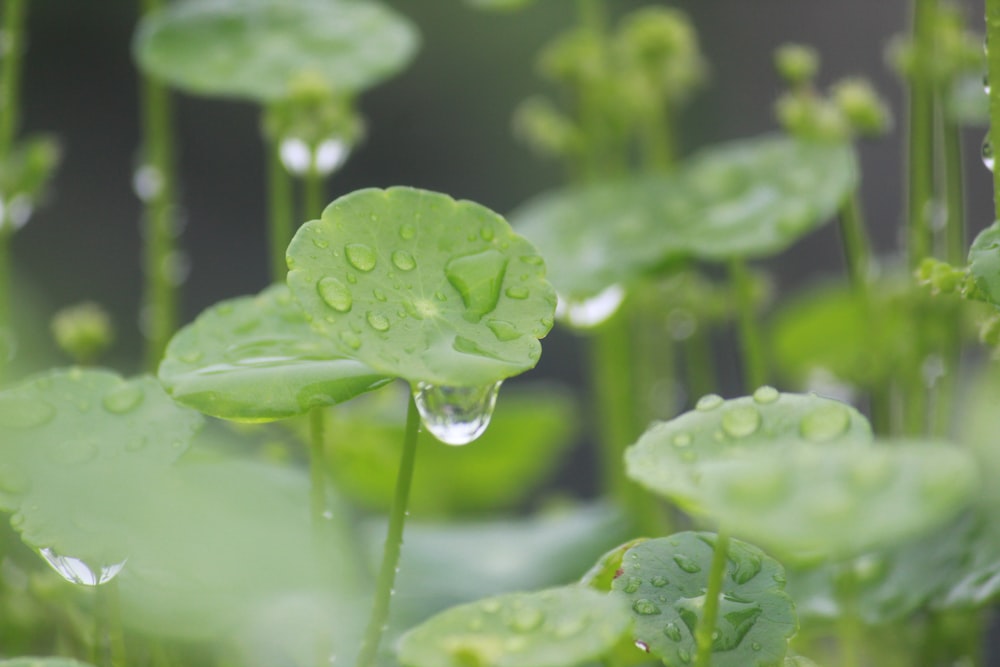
325, 157
456, 415
76, 571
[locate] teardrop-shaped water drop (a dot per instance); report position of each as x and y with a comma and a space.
672, 632
989, 159
76, 571
477, 278
456, 415
335, 294
593, 311
986, 83
687, 564
360, 256
123, 399
403, 260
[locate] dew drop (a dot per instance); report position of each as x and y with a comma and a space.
681, 440
377, 321
76, 571
456, 415
642, 646
477, 278
360, 256
659, 581
765, 395
335, 294
709, 402
672, 632
570, 627
987, 153
351, 339
517, 292
591, 312
825, 423
645, 607
147, 182
486, 233
755, 646
526, 619
23, 413
632, 584
407, 231
123, 399
741, 421
503, 330
684, 655
322, 244
379, 295
403, 260
685, 563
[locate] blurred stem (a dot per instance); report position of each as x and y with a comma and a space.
592, 14
109, 641
848, 624
317, 466
751, 341
393, 541
160, 298
920, 131
280, 209
956, 250
698, 362
706, 626
657, 138
853, 236
993, 73
313, 195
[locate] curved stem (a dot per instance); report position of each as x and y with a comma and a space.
279, 183
706, 626
393, 541
751, 341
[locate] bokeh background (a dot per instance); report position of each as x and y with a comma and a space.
444, 124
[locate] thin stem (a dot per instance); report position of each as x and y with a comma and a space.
993, 73
954, 193
657, 138
317, 466
706, 626
116, 633
751, 340
393, 542
313, 196
280, 210
920, 131
857, 250
849, 625
160, 299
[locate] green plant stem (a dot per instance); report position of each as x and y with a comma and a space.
954, 190
108, 648
280, 210
657, 144
317, 466
849, 625
751, 340
313, 195
393, 542
699, 366
920, 134
857, 249
993, 74
706, 626
160, 298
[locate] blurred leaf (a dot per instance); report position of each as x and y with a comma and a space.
966, 103
984, 263
558, 627
42, 662
608, 567
254, 48
664, 580
499, 5
24, 176
422, 287
257, 359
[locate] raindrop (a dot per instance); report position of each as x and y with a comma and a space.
642, 646
684, 655
526, 619
22, 413
403, 260
295, 155
321, 244
123, 399
987, 152
741, 421
593, 311
360, 256
825, 423
456, 415
765, 395
147, 182
76, 571
407, 232
686, 564
379, 295
681, 440
478, 279
755, 646
709, 402
330, 155
335, 294
486, 233
632, 584
517, 292
377, 321
503, 330
673, 632
645, 607
659, 581
747, 565
350, 339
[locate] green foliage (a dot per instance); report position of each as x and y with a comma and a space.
24, 175
42, 662
984, 264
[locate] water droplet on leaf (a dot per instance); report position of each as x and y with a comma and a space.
672, 632
478, 278
659, 581
645, 607
335, 294
825, 423
642, 646
403, 260
503, 330
765, 395
687, 564
709, 402
456, 415
517, 292
632, 584
377, 321
360, 256
123, 399
526, 619
741, 421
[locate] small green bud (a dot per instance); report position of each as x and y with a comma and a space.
573, 58
807, 116
862, 107
83, 331
797, 64
661, 46
544, 128
941, 277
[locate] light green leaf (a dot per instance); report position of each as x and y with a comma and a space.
79, 449
606, 569
664, 581
671, 457
257, 359
43, 662
254, 48
558, 627
984, 263
423, 287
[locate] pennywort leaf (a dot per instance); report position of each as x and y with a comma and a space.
984, 263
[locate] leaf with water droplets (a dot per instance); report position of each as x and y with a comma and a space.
557, 627
755, 618
253, 49
257, 359
609, 567
671, 457
79, 448
429, 282
984, 263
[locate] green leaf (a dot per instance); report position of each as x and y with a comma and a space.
664, 581
984, 263
257, 359
43, 662
253, 49
79, 449
965, 103
499, 5
532, 427
419, 286
806, 502
558, 627
607, 568
671, 457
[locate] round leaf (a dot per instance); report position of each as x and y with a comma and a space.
670, 457
664, 581
558, 627
254, 48
257, 359
984, 263
78, 448
419, 286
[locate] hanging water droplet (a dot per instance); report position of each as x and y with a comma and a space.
330, 155
335, 294
741, 421
377, 321
709, 402
477, 278
147, 182
456, 415
123, 399
526, 619
825, 423
403, 260
22, 413
76, 571
295, 155
672, 632
360, 256
986, 83
645, 607
766, 395
591, 312
987, 152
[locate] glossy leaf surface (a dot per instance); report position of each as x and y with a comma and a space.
664, 582
257, 359
558, 627
671, 457
79, 449
423, 287
984, 263
253, 49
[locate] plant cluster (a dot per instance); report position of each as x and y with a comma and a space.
245, 501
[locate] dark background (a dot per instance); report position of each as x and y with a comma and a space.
443, 124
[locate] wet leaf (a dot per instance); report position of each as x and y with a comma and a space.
42, 662
558, 627
253, 49
664, 582
607, 568
671, 457
984, 263
423, 287
79, 449
257, 359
